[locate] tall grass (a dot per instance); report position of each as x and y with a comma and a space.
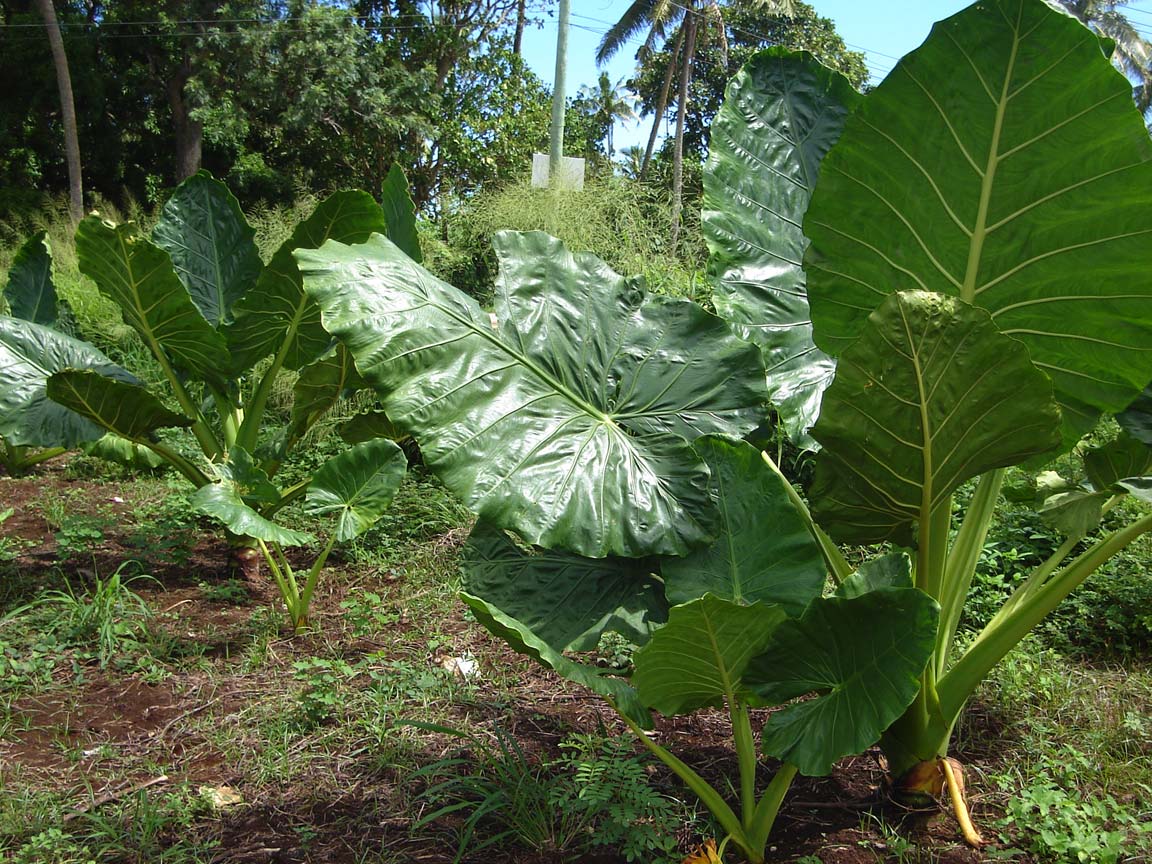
624, 222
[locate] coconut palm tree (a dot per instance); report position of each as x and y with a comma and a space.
659, 17
67, 108
1133, 53
609, 105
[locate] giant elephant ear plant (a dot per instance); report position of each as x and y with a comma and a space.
979, 274
594, 429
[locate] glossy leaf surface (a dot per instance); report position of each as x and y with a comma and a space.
1004, 163
1136, 419
357, 486
211, 245
320, 386
118, 406
700, 655
1117, 460
223, 501
781, 114
276, 316
764, 553
566, 419
139, 277
566, 600
30, 293
29, 354
929, 396
861, 657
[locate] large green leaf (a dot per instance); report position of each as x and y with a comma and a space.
211, 245
400, 213
765, 552
29, 354
139, 277
124, 408
699, 657
30, 293
276, 316
781, 114
357, 486
521, 639
862, 657
566, 600
929, 396
223, 501
1002, 162
564, 417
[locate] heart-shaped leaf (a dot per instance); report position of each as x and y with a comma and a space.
698, 658
126, 409
1003, 163
357, 486
862, 657
222, 501
211, 245
1117, 460
566, 600
566, 420
139, 277
30, 293
765, 552
29, 354
928, 397
781, 114
893, 570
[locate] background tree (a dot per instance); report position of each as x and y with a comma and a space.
1133, 53
67, 108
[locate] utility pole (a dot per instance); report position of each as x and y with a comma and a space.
556, 138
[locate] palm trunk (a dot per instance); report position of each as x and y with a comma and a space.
67, 109
189, 132
681, 111
521, 20
661, 105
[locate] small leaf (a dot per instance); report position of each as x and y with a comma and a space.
930, 395
252, 482
862, 656
113, 448
222, 501
893, 570
1076, 513
1117, 460
320, 386
358, 485
400, 213
700, 655
276, 315
1136, 419
30, 293
368, 425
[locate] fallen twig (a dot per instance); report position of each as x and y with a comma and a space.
113, 796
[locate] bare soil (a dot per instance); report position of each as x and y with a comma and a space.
101, 736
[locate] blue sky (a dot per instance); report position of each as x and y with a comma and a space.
884, 29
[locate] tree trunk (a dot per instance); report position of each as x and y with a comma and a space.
67, 109
521, 20
661, 104
681, 111
189, 132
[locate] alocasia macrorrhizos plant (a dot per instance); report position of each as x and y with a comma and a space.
356, 486
211, 313
573, 416
978, 271
33, 428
